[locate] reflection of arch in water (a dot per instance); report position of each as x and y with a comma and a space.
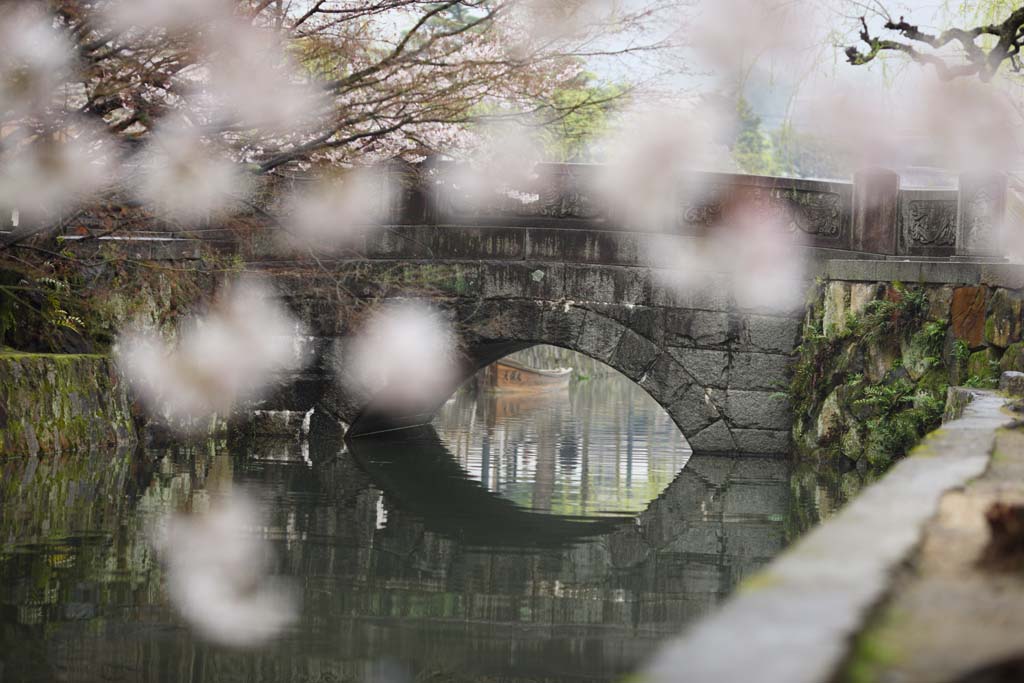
602, 447
416, 470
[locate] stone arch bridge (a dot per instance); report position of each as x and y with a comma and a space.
558, 269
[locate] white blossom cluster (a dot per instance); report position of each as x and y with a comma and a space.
232, 354
218, 573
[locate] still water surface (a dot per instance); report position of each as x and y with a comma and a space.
554, 538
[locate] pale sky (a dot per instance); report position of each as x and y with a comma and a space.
771, 91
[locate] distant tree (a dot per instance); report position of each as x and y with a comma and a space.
752, 149
802, 155
588, 107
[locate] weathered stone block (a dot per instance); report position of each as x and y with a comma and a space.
607, 284
561, 324
968, 315
984, 365
851, 445
940, 299
759, 370
917, 355
876, 195
711, 293
861, 295
684, 327
763, 441
697, 538
831, 421
767, 333
709, 368
1012, 383
927, 223
600, 336
693, 410
626, 548
879, 358
1013, 358
836, 297
590, 246
762, 541
54, 403
430, 242
502, 320
666, 379
634, 355
522, 280
982, 209
715, 438
1003, 324
757, 409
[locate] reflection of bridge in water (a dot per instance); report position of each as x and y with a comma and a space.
387, 577
601, 591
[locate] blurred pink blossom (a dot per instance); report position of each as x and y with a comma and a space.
233, 353
404, 358
42, 176
172, 15
217, 573
187, 176
334, 213
34, 60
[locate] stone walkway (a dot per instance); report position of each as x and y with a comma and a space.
794, 622
952, 617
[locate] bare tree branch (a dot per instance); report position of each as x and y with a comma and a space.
978, 61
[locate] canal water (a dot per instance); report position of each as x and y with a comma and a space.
550, 537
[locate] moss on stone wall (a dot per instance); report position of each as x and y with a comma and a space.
876, 359
57, 403
78, 303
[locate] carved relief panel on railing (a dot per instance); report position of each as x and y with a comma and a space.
814, 212
981, 211
927, 222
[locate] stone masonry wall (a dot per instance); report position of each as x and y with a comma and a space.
876, 359
54, 404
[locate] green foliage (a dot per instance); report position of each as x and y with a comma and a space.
961, 350
934, 333
579, 115
38, 313
976, 382
905, 310
881, 420
784, 151
900, 414
752, 149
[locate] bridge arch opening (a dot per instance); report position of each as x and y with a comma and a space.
557, 432
723, 393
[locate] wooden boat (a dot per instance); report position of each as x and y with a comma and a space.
508, 375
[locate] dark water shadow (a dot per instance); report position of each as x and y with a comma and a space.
414, 468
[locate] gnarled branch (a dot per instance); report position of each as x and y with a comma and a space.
977, 61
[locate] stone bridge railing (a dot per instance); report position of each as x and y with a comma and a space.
872, 214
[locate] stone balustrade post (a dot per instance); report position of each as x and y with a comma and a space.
876, 203
981, 215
